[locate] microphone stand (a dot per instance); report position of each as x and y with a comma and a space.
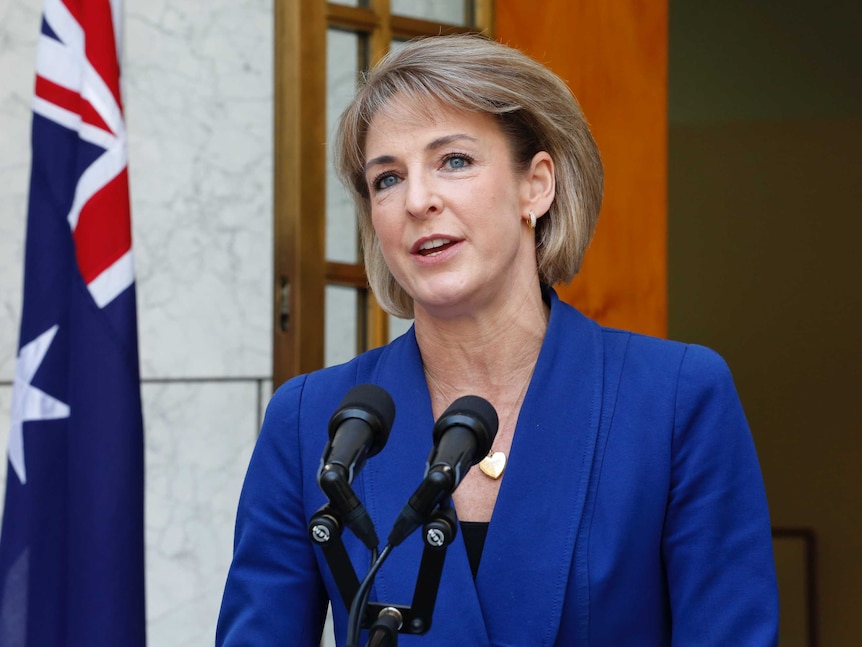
383, 620
384, 631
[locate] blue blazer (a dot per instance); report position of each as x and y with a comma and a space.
632, 511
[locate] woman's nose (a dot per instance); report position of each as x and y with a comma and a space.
423, 198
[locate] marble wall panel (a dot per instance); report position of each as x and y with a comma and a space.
198, 93
265, 394
19, 29
199, 441
5, 404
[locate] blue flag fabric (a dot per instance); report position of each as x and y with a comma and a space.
72, 541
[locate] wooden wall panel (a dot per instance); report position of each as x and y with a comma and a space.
614, 57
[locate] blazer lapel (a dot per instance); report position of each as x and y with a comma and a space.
527, 558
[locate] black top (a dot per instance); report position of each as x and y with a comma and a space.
474, 533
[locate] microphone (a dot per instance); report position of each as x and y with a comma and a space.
358, 430
462, 437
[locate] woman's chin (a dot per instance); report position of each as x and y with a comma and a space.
448, 301
438, 300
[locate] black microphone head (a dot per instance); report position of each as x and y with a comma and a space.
475, 413
372, 404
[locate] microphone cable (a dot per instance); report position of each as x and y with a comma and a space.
360, 600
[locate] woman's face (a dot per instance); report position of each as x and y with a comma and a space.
448, 208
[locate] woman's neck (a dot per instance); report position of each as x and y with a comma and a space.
490, 354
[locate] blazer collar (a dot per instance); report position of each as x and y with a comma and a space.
518, 594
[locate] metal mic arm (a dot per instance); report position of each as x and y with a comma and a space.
325, 529
438, 533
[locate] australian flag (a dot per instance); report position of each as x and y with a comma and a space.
72, 542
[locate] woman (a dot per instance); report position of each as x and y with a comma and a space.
630, 509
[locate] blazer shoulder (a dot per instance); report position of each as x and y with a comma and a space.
303, 399
667, 353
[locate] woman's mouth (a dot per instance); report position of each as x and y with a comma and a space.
434, 246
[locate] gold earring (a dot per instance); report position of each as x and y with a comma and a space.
532, 220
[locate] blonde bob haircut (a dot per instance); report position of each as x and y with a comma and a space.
536, 112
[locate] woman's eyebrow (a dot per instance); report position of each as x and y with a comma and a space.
434, 144
448, 139
382, 159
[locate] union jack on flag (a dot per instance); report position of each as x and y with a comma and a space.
72, 541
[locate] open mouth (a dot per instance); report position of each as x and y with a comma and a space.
434, 246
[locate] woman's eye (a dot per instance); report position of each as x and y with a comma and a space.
457, 161
386, 181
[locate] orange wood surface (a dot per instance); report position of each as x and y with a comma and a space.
613, 55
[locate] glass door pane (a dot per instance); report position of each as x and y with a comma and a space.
342, 306
342, 69
453, 12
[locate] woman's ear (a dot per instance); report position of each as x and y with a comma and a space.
539, 185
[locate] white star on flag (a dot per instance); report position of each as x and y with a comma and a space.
28, 402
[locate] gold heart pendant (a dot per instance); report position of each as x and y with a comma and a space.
493, 464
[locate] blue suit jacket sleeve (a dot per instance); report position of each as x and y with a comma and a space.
716, 542
274, 594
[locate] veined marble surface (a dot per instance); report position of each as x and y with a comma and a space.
19, 29
199, 441
5, 404
198, 94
